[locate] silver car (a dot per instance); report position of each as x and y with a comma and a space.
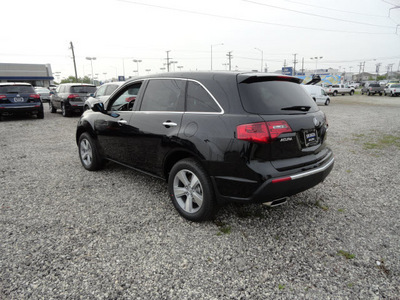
102, 94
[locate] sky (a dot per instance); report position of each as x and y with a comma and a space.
258, 34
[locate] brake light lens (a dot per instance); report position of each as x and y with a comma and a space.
73, 96
3, 96
34, 96
263, 132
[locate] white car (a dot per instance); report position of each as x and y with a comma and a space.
392, 89
317, 93
102, 94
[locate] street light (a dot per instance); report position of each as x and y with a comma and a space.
91, 63
173, 62
179, 67
316, 61
212, 52
262, 58
137, 61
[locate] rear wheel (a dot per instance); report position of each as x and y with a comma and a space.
351, 93
368, 93
191, 190
334, 93
89, 153
40, 114
64, 111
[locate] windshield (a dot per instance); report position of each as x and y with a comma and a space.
16, 89
83, 89
275, 97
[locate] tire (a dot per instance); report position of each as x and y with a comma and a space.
368, 93
391, 94
334, 93
327, 102
89, 153
362, 93
351, 93
40, 114
52, 108
191, 191
64, 111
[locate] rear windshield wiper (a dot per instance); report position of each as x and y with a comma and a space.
300, 108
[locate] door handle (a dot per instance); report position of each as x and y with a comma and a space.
169, 124
122, 122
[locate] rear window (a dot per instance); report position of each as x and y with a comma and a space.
16, 89
83, 89
395, 86
275, 97
374, 85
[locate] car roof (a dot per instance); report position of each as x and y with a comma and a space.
15, 83
77, 83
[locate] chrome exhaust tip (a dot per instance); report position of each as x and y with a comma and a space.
276, 202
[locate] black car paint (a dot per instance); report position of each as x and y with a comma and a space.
240, 170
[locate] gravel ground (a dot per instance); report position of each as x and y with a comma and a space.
66, 233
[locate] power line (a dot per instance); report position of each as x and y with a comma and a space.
252, 21
316, 15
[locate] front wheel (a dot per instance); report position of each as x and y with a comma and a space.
89, 154
351, 93
334, 93
327, 102
191, 190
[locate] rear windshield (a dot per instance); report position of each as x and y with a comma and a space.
16, 89
84, 89
374, 85
275, 97
395, 86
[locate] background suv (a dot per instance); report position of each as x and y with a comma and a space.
102, 94
215, 137
70, 97
19, 98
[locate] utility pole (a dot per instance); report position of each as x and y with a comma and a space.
284, 63
73, 57
302, 66
230, 60
168, 60
294, 64
377, 70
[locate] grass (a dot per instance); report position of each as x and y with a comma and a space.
346, 254
281, 286
385, 141
223, 228
320, 205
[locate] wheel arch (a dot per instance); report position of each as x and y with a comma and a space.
172, 158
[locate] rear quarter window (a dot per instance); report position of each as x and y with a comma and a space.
270, 97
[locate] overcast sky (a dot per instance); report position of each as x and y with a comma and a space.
343, 33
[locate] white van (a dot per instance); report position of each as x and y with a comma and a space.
317, 93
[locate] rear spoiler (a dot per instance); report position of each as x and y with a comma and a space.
314, 80
261, 78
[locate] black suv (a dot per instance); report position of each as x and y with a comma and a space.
19, 98
215, 137
70, 97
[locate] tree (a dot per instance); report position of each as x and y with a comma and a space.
71, 79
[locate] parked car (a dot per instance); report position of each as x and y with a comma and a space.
102, 94
19, 98
70, 97
44, 93
372, 89
214, 137
392, 89
317, 93
339, 89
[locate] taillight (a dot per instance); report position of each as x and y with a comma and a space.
72, 96
263, 132
34, 96
3, 96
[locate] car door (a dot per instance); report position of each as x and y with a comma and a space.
56, 97
156, 122
112, 126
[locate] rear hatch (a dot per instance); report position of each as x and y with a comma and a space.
79, 93
18, 95
295, 126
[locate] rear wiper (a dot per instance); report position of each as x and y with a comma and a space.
300, 108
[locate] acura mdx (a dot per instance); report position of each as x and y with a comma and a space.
213, 136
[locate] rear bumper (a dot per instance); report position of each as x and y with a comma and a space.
274, 187
33, 108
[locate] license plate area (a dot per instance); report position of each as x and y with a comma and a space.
310, 137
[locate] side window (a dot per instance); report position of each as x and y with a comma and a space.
164, 95
60, 89
199, 100
126, 100
101, 91
110, 89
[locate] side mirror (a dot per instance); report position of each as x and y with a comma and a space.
99, 107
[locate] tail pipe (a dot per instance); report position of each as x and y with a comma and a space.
276, 202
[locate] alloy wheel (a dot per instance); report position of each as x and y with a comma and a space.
188, 191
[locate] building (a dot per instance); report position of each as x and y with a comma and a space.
35, 74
